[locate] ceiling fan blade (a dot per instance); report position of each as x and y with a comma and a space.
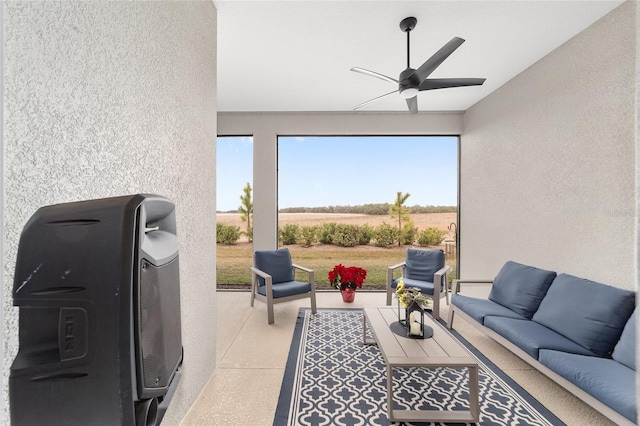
374, 99
412, 103
443, 83
374, 74
437, 58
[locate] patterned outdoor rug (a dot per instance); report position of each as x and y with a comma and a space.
332, 378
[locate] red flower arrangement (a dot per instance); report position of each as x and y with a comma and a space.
343, 277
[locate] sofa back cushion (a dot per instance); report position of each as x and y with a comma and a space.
521, 288
589, 313
625, 350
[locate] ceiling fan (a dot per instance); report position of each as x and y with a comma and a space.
412, 81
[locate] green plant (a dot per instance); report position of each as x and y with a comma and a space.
385, 235
308, 235
346, 235
227, 234
430, 237
289, 234
326, 232
409, 233
246, 209
399, 211
365, 234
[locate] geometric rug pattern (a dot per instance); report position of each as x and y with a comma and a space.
332, 378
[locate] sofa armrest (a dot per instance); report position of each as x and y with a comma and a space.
456, 283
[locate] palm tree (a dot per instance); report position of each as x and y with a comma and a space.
398, 210
246, 208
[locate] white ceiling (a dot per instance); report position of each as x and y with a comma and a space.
296, 55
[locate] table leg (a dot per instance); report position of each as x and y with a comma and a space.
474, 392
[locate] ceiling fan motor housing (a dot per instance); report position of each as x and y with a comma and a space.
408, 83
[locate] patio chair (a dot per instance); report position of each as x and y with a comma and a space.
421, 269
273, 280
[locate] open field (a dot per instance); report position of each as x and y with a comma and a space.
233, 261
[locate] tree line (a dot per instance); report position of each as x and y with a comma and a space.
372, 209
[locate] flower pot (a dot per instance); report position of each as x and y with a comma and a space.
348, 295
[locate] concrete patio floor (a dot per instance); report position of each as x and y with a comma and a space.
251, 357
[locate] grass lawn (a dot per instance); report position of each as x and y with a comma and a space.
233, 263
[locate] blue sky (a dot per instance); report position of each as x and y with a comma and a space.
333, 171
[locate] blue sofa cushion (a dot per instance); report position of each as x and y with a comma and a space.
521, 288
424, 286
605, 379
276, 263
285, 289
625, 350
589, 313
421, 265
531, 336
478, 309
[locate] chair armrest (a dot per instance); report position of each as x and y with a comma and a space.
259, 272
302, 268
311, 272
396, 266
443, 271
390, 270
457, 282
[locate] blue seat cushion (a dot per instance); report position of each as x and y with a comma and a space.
478, 309
285, 289
625, 350
276, 263
605, 379
521, 288
589, 313
531, 336
421, 265
426, 287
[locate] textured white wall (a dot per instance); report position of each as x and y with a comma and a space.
266, 127
114, 98
548, 162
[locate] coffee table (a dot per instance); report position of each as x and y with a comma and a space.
441, 350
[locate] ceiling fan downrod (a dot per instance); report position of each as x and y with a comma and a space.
406, 25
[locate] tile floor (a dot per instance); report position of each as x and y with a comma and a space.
251, 357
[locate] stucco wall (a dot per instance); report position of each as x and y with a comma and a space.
548, 162
114, 98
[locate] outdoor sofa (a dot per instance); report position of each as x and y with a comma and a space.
578, 332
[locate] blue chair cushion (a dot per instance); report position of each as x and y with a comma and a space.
625, 350
589, 313
603, 378
531, 336
478, 309
285, 289
276, 263
521, 288
421, 265
426, 287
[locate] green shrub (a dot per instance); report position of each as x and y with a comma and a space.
227, 234
385, 235
308, 235
408, 234
326, 232
346, 235
365, 234
430, 237
289, 234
